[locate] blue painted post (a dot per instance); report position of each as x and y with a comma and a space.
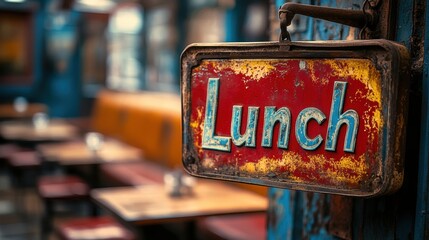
284, 214
422, 205
231, 18
62, 88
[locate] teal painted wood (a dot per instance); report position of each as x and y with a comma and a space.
62, 89
61, 92
405, 208
31, 91
284, 214
422, 204
316, 216
232, 16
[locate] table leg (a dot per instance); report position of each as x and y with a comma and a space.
190, 230
180, 231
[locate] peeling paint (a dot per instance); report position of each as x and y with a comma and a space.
196, 123
314, 77
362, 70
348, 170
197, 126
208, 163
254, 69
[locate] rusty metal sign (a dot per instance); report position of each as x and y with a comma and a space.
315, 116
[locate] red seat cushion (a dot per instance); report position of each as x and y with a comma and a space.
93, 228
62, 187
7, 149
239, 226
24, 159
134, 174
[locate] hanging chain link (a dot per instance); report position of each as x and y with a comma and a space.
284, 33
363, 31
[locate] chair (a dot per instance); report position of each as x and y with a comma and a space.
22, 164
237, 226
59, 188
6, 149
93, 228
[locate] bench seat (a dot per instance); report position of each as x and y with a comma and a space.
93, 228
62, 187
238, 226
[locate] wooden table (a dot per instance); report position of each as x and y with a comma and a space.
7, 111
24, 131
151, 204
76, 153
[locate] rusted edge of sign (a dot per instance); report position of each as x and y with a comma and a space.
391, 59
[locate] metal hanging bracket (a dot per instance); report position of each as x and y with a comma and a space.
363, 19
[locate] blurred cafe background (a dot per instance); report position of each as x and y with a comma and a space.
90, 123
62, 52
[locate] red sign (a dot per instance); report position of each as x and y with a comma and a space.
324, 117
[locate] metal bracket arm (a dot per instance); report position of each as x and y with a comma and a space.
354, 18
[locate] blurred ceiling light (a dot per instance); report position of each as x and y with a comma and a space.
100, 5
127, 19
15, 1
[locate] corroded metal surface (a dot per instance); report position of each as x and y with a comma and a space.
325, 117
340, 212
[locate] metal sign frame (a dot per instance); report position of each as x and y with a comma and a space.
391, 61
